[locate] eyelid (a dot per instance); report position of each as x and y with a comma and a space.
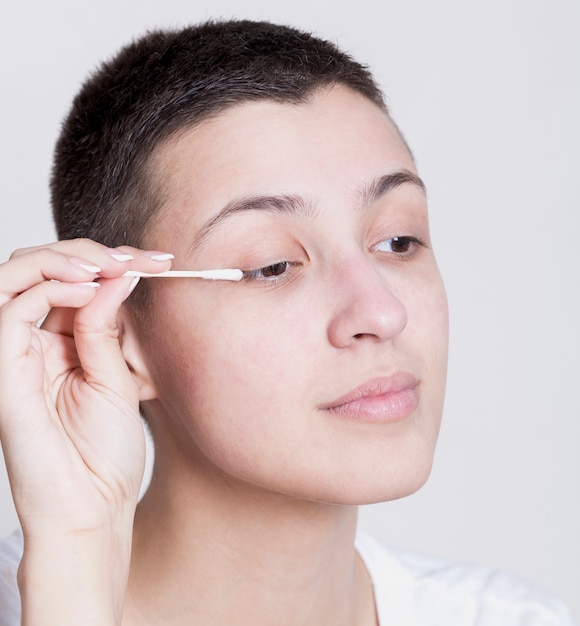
253, 275
415, 242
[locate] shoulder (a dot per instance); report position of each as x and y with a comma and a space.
425, 591
10, 555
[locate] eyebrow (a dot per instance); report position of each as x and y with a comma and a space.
288, 204
294, 204
384, 184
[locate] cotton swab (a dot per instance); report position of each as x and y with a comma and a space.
225, 274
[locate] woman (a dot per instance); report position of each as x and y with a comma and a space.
277, 403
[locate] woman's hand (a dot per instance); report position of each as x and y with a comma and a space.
70, 426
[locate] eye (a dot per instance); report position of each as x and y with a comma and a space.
404, 245
269, 272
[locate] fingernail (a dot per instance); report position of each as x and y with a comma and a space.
133, 285
120, 256
94, 285
90, 268
160, 256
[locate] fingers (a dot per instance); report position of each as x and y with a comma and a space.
23, 272
96, 337
66, 394
58, 279
19, 314
31, 305
71, 261
25, 358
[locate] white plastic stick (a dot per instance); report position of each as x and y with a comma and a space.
227, 274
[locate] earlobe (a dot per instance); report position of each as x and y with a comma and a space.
133, 354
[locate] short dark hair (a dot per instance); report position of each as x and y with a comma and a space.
160, 84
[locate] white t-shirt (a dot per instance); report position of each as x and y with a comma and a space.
410, 590
10, 554
416, 590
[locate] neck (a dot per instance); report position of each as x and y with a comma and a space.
211, 550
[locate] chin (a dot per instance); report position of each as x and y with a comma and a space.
393, 491
349, 489
386, 492
386, 477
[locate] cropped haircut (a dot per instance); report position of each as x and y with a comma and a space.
166, 82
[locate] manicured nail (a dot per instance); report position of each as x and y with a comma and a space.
120, 256
160, 256
94, 285
90, 268
133, 285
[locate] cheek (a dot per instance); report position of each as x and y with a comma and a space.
262, 356
426, 335
429, 329
225, 362
428, 314
241, 382
243, 390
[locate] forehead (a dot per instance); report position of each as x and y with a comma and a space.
327, 146
251, 128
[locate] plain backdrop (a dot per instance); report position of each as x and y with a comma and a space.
488, 96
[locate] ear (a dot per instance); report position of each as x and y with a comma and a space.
133, 354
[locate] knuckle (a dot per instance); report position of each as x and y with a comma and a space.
18, 252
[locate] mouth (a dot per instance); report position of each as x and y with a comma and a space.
379, 400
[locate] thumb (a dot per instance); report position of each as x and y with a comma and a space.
96, 334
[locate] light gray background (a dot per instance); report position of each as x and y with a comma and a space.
488, 96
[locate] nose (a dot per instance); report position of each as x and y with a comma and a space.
367, 308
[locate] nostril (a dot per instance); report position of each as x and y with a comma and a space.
368, 313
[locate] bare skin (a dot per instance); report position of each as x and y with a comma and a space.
75, 493
250, 517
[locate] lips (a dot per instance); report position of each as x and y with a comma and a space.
381, 399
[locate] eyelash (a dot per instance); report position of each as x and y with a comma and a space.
279, 271
261, 274
410, 243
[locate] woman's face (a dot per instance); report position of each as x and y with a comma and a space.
321, 374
